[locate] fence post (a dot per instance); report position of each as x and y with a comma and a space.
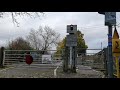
1, 56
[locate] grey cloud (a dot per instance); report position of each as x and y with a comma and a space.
90, 23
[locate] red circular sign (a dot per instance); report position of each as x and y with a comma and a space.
29, 59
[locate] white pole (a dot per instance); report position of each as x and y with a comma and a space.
101, 45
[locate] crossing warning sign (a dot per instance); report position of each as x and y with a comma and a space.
71, 40
116, 42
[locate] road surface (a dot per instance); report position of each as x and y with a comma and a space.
25, 71
47, 71
82, 72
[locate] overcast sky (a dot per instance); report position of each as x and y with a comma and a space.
91, 24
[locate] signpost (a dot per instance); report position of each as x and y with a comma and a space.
110, 20
71, 43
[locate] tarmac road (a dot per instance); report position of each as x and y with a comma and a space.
82, 72
47, 71
26, 71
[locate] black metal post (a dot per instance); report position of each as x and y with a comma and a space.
1, 56
110, 57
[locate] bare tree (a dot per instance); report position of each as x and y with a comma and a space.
34, 40
15, 14
43, 38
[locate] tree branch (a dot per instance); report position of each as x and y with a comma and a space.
15, 14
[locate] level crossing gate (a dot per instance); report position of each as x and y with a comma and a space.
94, 60
16, 57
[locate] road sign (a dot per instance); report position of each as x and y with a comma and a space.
116, 45
71, 40
29, 59
71, 28
116, 42
115, 34
71, 44
46, 59
110, 18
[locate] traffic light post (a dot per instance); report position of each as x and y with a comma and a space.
110, 20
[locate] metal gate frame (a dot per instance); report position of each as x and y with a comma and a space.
24, 51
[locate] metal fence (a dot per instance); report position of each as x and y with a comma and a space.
94, 60
18, 56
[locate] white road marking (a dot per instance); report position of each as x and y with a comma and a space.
55, 73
